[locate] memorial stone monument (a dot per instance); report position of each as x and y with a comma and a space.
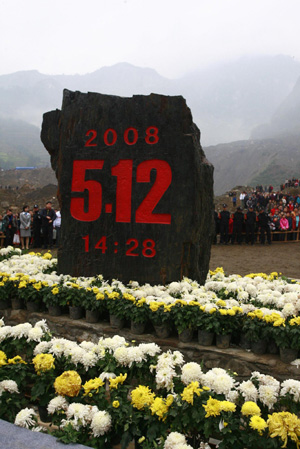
135, 188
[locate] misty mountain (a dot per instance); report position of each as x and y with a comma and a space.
20, 145
227, 100
286, 119
254, 162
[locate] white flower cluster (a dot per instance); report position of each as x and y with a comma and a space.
26, 418
166, 369
268, 388
219, 381
8, 385
176, 440
239, 291
24, 330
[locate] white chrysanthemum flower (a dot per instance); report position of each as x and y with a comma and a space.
219, 381
164, 378
191, 372
268, 395
121, 355
296, 363
43, 325
101, 423
173, 440
232, 396
248, 390
79, 412
112, 343
87, 345
57, 403
177, 358
42, 348
89, 359
35, 334
292, 387
20, 330
8, 385
25, 418
150, 349
4, 332
2, 322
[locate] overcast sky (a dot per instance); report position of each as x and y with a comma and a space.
171, 36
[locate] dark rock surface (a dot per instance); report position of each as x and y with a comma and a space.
104, 194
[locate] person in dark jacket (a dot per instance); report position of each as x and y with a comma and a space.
250, 226
217, 226
263, 225
238, 221
224, 224
48, 215
36, 227
10, 226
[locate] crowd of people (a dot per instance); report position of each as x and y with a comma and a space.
261, 211
35, 228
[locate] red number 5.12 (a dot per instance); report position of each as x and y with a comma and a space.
79, 184
123, 172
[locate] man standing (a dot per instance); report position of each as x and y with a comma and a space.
36, 227
48, 216
10, 226
250, 225
263, 225
224, 224
238, 221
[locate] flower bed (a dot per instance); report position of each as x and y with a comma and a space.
110, 392
252, 309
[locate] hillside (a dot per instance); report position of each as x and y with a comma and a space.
227, 100
253, 162
20, 145
285, 120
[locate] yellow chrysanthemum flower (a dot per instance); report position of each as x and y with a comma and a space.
212, 407
142, 396
250, 408
284, 425
189, 391
92, 384
3, 358
68, 384
55, 291
258, 423
159, 408
15, 360
113, 383
227, 406
43, 363
116, 404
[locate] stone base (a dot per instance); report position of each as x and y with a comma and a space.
235, 359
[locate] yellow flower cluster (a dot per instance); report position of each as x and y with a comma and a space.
160, 408
92, 384
68, 384
43, 363
113, 383
189, 391
258, 423
3, 358
15, 360
113, 295
295, 321
142, 396
284, 425
214, 407
55, 291
250, 408
100, 296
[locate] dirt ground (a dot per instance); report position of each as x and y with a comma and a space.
244, 259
